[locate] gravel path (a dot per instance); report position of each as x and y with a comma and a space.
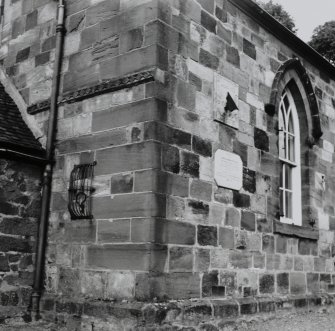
323, 320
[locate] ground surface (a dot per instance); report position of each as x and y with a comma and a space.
322, 320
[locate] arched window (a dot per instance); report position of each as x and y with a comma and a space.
289, 155
293, 100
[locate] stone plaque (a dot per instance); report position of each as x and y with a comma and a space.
228, 170
225, 91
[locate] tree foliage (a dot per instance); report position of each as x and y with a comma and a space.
279, 13
323, 40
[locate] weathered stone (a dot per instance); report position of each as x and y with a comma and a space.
208, 22
170, 159
181, 259
23, 55
248, 221
207, 235
266, 283
233, 56
142, 257
208, 60
241, 200
241, 260
190, 164
131, 39
201, 190
201, 146
249, 180
114, 231
297, 283
268, 244
249, 48
226, 238
261, 140
208, 281
122, 183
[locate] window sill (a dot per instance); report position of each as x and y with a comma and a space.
295, 230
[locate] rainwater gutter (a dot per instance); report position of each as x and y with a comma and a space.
47, 175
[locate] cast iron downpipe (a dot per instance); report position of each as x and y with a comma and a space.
47, 175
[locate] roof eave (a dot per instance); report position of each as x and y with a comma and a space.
266, 21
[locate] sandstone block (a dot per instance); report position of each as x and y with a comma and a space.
162, 231
181, 259
129, 157
114, 231
141, 257
129, 205
146, 110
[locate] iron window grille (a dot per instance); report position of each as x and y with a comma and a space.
80, 191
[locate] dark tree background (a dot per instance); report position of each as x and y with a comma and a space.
279, 13
323, 40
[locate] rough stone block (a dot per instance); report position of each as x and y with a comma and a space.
207, 235
122, 183
249, 48
162, 231
266, 283
202, 260
129, 205
209, 280
131, 39
120, 285
142, 111
249, 180
170, 159
248, 221
233, 217
282, 283
141, 257
241, 200
226, 238
167, 286
281, 245
208, 21
297, 283
201, 190
208, 60
127, 158
181, 259
268, 244
233, 56
161, 182
313, 282
241, 260
101, 11
186, 95
110, 231
166, 134
190, 164
261, 140
201, 146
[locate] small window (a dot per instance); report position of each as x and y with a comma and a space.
289, 155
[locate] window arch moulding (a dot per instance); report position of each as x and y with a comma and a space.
295, 66
293, 77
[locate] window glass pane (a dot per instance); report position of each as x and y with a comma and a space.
290, 154
286, 102
281, 144
288, 204
290, 124
288, 177
281, 203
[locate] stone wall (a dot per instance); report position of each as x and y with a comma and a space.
19, 213
162, 227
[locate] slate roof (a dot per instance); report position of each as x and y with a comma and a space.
14, 133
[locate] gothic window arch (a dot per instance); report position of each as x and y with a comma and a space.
294, 105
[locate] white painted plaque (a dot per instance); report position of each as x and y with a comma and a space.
228, 170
